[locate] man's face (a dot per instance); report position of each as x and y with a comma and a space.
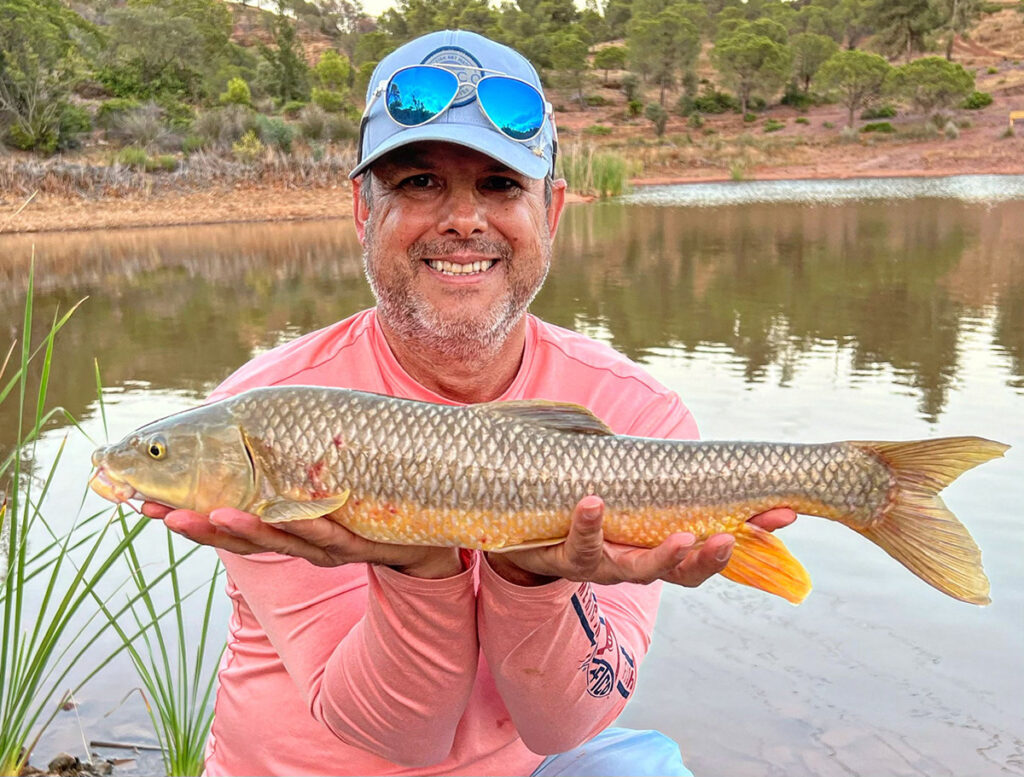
456, 245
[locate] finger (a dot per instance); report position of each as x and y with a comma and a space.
770, 520
341, 543
267, 537
197, 528
155, 510
711, 559
584, 547
645, 565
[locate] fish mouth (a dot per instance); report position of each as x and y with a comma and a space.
111, 488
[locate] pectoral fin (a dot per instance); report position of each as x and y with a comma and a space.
288, 510
530, 544
760, 560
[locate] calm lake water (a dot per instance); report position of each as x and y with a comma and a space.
788, 320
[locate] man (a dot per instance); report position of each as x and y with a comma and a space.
347, 656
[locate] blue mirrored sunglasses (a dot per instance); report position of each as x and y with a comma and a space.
418, 94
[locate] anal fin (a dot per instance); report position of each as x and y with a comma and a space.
761, 560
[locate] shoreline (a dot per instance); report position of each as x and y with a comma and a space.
242, 204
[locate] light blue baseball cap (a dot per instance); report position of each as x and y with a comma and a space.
470, 56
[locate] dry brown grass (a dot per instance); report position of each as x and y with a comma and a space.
21, 175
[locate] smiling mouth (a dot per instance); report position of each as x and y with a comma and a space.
454, 268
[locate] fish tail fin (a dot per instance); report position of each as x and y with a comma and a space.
917, 529
760, 559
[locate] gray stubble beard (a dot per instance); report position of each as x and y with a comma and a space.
466, 340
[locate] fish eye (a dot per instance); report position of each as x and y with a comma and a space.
156, 448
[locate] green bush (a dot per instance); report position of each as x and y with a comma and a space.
879, 112
796, 98
313, 122
977, 100
166, 162
749, 117
248, 148
774, 125
878, 126
340, 127
634, 108
330, 101
292, 108
43, 139
276, 133
992, 70
177, 115
696, 121
713, 101
951, 131
802, 120
237, 93
74, 121
110, 110
133, 156
829, 125
596, 100
193, 143
631, 87
598, 129
658, 116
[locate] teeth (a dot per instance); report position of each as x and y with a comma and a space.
451, 268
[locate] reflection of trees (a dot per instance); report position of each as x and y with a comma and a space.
768, 282
183, 317
181, 308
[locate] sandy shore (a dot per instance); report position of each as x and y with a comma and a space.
49, 213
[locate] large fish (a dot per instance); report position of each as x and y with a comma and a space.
506, 475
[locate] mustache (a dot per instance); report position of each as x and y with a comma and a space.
423, 249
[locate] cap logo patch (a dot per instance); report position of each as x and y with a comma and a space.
465, 67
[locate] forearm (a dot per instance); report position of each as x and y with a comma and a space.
385, 661
563, 661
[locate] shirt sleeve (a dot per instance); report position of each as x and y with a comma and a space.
565, 655
385, 661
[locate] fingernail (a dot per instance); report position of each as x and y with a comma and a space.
725, 551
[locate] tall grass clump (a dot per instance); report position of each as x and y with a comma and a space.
178, 674
591, 172
48, 573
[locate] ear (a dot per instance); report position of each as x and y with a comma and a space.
360, 212
556, 206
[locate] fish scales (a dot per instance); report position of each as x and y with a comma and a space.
503, 475
462, 461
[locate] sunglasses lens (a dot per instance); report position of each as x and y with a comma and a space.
515, 107
418, 94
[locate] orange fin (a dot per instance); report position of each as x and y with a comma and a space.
760, 560
917, 529
528, 545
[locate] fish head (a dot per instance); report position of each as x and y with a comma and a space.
195, 460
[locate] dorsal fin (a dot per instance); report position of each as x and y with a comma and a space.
557, 416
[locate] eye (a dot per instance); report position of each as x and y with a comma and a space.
421, 181
157, 448
501, 183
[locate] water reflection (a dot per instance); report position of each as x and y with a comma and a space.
771, 320
890, 284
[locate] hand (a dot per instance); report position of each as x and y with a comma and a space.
321, 541
586, 556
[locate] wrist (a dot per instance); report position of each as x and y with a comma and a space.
515, 574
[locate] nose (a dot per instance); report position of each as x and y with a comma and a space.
462, 213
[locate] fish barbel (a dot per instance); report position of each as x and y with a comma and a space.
506, 475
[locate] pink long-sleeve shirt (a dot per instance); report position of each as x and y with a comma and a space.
360, 669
